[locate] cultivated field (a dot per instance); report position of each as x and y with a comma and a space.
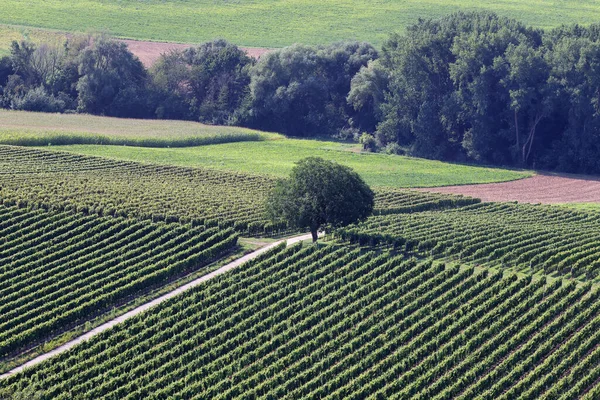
542, 188
45, 179
527, 238
342, 323
270, 23
60, 268
41, 129
437, 295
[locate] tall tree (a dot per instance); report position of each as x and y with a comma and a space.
320, 192
302, 90
113, 80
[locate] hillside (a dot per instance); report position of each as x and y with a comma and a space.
273, 23
342, 323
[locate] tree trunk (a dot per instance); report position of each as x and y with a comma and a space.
315, 234
517, 130
531, 138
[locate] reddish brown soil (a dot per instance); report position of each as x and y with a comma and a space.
148, 52
543, 188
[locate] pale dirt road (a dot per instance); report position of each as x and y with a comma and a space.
542, 188
146, 306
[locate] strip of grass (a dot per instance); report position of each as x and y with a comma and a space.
582, 206
274, 23
277, 157
41, 129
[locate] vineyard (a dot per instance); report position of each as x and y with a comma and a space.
338, 323
529, 238
58, 269
397, 201
66, 181
45, 179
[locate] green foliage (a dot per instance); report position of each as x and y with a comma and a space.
209, 82
301, 90
320, 192
61, 268
113, 81
276, 158
346, 323
530, 238
367, 141
479, 87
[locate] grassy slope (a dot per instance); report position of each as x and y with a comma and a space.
274, 23
25, 128
277, 157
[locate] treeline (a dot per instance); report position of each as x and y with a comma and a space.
472, 87
298, 90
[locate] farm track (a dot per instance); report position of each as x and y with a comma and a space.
542, 188
228, 267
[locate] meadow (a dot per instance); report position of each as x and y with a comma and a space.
191, 144
274, 23
276, 158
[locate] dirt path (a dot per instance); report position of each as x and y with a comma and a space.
144, 307
542, 188
148, 52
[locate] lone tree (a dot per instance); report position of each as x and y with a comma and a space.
320, 192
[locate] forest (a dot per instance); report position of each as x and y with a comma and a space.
468, 87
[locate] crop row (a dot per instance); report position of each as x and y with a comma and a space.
60, 268
63, 181
528, 237
399, 201
338, 322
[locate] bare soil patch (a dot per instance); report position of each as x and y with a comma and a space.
542, 188
149, 52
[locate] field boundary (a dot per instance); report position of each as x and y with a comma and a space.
140, 309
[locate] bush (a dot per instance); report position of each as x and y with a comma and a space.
368, 142
38, 99
394, 148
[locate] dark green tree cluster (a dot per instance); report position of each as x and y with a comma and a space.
301, 90
93, 75
478, 87
207, 83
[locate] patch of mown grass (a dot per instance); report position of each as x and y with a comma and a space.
277, 157
274, 23
42, 129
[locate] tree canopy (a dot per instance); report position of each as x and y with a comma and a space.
320, 192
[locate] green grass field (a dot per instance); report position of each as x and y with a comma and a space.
41, 129
18, 33
273, 23
277, 157
261, 153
